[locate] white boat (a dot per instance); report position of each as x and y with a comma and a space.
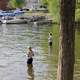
14, 21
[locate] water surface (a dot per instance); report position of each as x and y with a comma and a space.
14, 41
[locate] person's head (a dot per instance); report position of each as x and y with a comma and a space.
50, 33
30, 48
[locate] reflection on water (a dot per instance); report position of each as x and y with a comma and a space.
30, 72
50, 50
77, 24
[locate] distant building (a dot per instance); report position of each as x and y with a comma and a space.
33, 4
3, 4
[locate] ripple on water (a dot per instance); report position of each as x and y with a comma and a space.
14, 40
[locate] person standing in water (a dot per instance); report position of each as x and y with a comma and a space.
30, 56
50, 39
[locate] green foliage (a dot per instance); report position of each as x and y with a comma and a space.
45, 2
53, 6
54, 9
16, 3
19, 3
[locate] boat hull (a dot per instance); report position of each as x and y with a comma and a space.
15, 21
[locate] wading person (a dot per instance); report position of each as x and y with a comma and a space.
30, 55
50, 39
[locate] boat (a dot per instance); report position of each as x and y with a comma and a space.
43, 22
11, 17
14, 21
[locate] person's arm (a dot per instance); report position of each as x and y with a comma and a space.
32, 53
28, 53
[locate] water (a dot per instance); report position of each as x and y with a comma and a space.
14, 41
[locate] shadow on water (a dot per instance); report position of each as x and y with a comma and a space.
30, 72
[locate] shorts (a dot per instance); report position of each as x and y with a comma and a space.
29, 61
50, 43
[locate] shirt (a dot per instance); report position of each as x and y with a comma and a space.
30, 54
50, 39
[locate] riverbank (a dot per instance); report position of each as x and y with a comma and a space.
28, 18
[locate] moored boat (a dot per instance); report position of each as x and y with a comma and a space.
43, 22
14, 21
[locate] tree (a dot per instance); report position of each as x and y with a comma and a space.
19, 3
45, 2
16, 3
67, 40
53, 7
